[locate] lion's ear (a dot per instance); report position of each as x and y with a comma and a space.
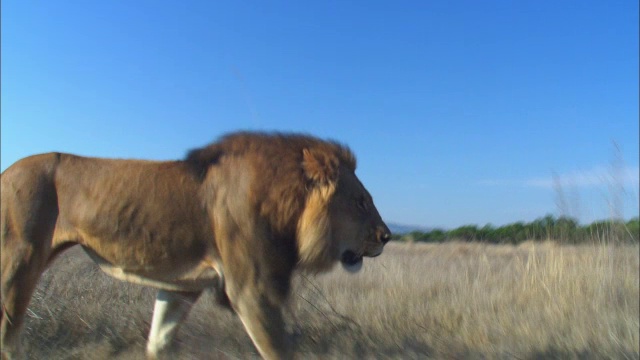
320, 166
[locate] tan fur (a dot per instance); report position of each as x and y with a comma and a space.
315, 249
239, 216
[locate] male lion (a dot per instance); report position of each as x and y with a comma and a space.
238, 216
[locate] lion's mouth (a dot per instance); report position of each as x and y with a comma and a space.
351, 261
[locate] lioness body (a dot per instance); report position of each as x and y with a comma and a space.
238, 215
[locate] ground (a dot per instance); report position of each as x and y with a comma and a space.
453, 300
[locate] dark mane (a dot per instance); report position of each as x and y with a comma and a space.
285, 146
198, 160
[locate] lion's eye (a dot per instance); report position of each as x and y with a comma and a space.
362, 204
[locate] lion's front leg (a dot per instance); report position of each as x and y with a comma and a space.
264, 323
257, 294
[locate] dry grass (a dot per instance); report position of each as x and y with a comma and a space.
415, 301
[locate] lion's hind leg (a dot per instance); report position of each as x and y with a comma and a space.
21, 269
170, 309
29, 204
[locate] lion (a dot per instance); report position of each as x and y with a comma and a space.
238, 216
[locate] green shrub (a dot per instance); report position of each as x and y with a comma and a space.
563, 229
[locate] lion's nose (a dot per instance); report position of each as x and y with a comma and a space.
385, 236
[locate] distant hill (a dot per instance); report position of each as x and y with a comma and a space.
403, 228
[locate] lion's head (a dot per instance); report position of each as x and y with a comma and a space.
340, 221
308, 187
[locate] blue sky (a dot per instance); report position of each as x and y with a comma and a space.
460, 112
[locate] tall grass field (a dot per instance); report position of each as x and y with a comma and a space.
453, 300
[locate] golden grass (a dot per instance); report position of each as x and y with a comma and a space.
452, 300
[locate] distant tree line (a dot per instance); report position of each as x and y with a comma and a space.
561, 229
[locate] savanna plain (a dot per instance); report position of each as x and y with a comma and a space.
452, 300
